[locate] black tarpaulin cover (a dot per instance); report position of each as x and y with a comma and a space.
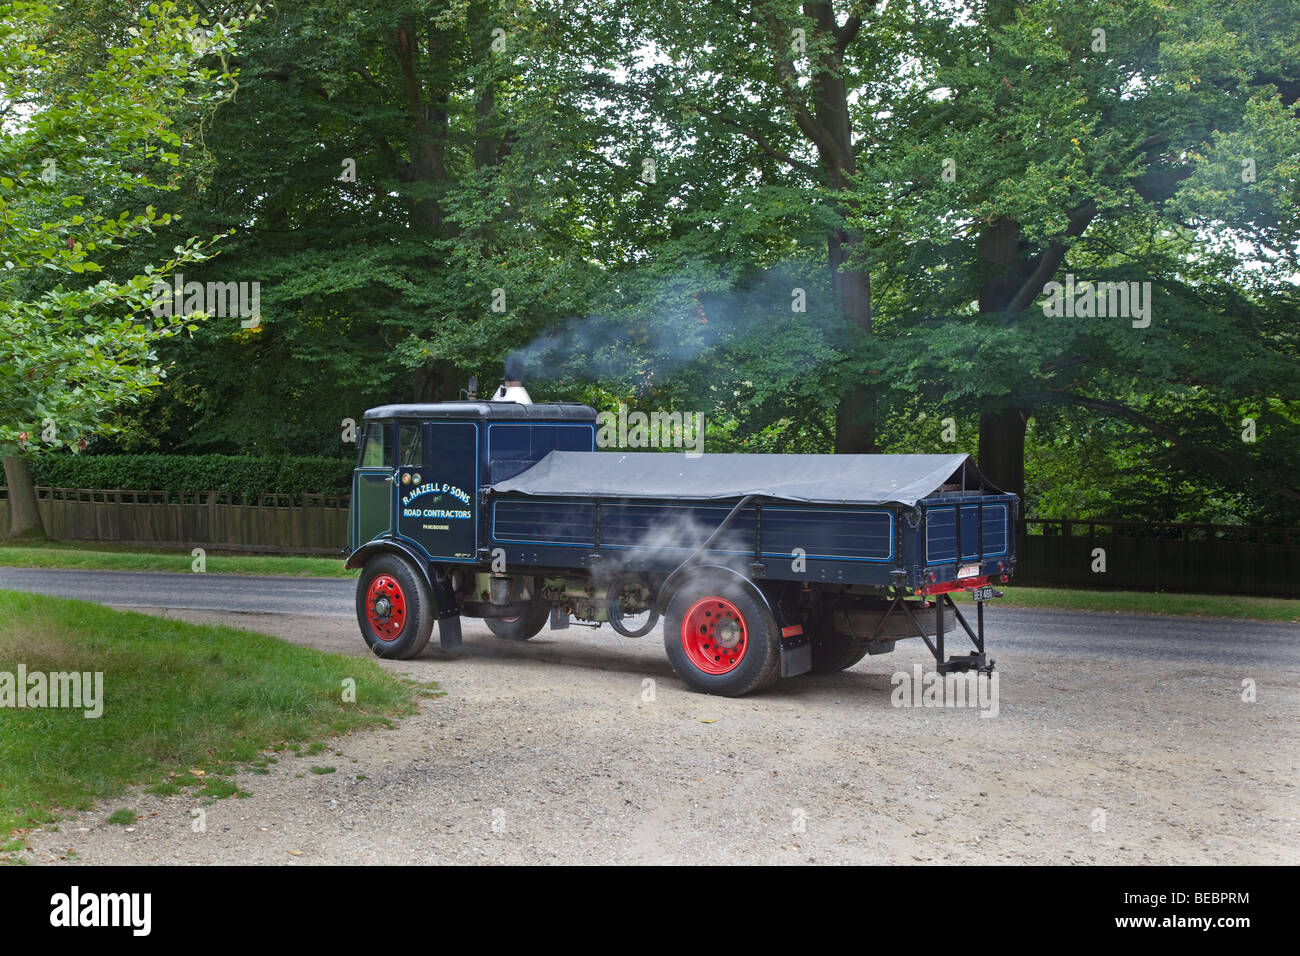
827, 479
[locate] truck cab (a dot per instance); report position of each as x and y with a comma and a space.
416, 523
420, 469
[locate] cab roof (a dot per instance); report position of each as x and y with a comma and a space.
496, 411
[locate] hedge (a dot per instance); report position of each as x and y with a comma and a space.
232, 474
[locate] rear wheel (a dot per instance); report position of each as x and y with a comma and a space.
833, 650
394, 607
720, 639
841, 633
525, 627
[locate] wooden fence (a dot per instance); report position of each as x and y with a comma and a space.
1229, 559
307, 524
1209, 558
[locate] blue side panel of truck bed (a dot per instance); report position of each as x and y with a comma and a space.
536, 521
844, 534
832, 543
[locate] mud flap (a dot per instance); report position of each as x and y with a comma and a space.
796, 651
444, 599
449, 632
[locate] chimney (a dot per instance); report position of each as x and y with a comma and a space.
512, 386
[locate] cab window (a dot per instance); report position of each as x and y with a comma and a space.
375, 452
409, 445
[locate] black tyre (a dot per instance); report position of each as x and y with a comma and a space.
523, 628
833, 650
394, 607
720, 639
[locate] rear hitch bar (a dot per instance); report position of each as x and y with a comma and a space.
958, 663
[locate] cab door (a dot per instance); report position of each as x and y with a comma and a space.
437, 505
372, 486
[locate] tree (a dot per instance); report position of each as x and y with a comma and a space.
1104, 140
786, 88
71, 157
391, 168
631, 195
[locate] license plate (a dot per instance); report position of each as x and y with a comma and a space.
968, 571
981, 594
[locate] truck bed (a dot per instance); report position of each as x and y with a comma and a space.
877, 520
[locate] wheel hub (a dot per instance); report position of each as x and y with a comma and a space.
727, 633
714, 635
386, 607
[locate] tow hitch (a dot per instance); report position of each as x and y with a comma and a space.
977, 660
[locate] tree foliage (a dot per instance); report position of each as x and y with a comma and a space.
77, 346
826, 225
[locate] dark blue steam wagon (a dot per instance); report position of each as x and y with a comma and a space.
762, 566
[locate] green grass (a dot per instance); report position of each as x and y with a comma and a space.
1152, 602
102, 556
123, 817
184, 706
219, 788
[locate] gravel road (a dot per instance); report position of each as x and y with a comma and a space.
1118, 739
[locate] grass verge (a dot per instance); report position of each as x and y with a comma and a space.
180, 701
1152, 602
102, 556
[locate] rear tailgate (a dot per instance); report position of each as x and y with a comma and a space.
967, 540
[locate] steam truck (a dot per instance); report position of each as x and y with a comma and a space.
761, 566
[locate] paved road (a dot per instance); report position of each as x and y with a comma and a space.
1175, 640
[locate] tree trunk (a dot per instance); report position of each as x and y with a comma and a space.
24, 515
855, 427
1002, 449
437, 382
427, 113
830, 127
1004, 268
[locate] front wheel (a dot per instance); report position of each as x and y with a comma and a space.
720, 639
394, 607
523, 628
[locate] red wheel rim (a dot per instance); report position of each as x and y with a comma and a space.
386, 607
714, 635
